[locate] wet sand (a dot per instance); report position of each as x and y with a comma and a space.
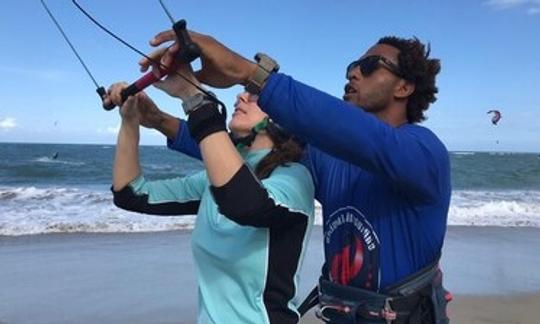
149, 277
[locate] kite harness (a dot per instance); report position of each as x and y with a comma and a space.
418, 299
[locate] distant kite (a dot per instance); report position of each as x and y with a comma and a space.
496, 116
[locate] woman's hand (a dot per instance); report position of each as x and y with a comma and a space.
129, 108
138, 109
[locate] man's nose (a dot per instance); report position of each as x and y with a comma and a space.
353, 74
243, 96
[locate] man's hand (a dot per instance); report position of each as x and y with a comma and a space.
181, 84
220, 66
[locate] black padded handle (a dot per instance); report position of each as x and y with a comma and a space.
129, 91
189, 51
103, 94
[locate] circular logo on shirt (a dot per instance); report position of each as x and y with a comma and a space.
352, 249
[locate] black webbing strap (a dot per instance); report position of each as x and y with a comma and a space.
311, 301
409, 285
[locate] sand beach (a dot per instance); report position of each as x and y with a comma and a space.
149, 277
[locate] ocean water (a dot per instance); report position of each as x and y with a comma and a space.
71, 193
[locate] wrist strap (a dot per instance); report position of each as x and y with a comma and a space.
205, 120
265, 66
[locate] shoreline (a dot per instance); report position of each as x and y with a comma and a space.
188, 230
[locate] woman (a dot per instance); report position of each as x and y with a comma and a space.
254, 204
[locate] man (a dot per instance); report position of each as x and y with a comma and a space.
382, 180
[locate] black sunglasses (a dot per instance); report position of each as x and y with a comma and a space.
371, 63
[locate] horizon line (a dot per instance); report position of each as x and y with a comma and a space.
114, 144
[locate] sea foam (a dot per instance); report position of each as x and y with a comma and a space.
34, 210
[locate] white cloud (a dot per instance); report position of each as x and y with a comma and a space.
505, 4
113, 130
7, 123
33, 72
109, 130
532, 6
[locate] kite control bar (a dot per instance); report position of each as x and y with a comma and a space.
189, 51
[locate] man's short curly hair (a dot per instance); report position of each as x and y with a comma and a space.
417, 68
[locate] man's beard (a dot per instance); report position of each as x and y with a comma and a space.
377, 102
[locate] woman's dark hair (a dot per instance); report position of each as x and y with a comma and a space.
417, 68
286, 149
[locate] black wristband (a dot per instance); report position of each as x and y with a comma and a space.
205, 120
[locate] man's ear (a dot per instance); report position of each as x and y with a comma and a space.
404, 89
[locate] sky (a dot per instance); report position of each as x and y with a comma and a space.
489, 52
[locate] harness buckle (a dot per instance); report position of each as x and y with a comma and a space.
338, 308
387, 312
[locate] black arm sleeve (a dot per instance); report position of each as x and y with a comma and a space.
244, 200
128, 200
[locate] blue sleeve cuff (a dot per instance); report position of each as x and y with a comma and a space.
268, 90
175, 144
183, 142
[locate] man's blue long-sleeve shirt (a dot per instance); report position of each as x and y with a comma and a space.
384, 191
